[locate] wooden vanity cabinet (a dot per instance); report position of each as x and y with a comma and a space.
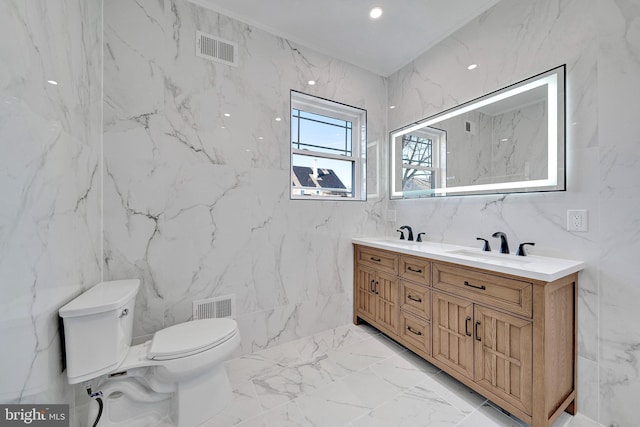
376, 286
509, 338
415, 304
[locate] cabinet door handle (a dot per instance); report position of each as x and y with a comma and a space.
419, 270
412, 298
375, 259
477, 334
412, 331
481, 287
467, 332
376, 288
371, 285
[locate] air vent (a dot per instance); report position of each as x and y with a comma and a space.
216, 49
213, 308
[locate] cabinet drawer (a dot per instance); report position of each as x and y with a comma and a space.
415, 269
415, 299
381, 260
416, 332
496, 291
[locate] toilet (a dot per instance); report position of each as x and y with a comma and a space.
178, 373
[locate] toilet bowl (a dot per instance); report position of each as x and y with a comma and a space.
178, 372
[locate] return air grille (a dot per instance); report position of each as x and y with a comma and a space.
213, 308
216, 49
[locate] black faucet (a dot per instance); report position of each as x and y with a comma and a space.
504, 246
486, 247
406, 227
419, 238
520, 251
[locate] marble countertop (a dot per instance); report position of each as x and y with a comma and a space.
530, 266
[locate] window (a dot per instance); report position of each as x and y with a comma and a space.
328, 149
421, 158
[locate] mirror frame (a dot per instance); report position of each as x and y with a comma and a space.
556, 139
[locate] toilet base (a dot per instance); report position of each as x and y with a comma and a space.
202, 397
128, 402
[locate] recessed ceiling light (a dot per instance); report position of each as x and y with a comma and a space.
504, 139
260, 138
311, 82
472, 67
375, 13
278, 119
391, 107
227, 115
52, 82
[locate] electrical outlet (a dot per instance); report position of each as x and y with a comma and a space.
577, 220
391, 215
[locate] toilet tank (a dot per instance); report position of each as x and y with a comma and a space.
98, 327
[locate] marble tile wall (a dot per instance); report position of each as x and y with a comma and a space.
503, 147
600, 43
50, 179
196, 204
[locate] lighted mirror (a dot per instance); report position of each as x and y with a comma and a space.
511, 140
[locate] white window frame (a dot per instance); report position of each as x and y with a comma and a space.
438, 161
358, 118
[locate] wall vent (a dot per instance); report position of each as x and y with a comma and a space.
213, 308
216, 49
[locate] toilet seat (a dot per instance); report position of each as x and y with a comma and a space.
189, 338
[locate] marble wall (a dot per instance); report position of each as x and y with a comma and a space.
196, 204
506, 147
50, 178
599, 40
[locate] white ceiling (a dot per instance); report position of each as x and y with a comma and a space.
343, 29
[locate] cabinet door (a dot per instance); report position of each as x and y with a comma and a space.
387, 312
452, 333
366, 298
503, 356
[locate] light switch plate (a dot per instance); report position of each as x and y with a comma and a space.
577, 220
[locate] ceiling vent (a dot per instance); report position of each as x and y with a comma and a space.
216, 49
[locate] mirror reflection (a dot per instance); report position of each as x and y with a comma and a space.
511, 140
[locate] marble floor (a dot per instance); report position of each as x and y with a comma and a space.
353, 376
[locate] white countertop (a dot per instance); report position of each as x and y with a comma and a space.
530, 266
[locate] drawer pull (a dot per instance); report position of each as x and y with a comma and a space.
477, 334
419, 270
481, 287
375, 259
412, 298
467, 332
412, 331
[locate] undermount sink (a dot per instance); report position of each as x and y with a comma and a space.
491, 257
403, 242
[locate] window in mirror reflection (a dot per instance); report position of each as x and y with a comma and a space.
423, 159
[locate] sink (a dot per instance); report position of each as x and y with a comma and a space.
402, 242
496, 258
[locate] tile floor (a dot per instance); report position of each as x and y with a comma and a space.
353, 376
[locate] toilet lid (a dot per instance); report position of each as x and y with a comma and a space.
189, 338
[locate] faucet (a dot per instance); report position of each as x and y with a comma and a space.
504, 246
406, 227
486, 247
520, 251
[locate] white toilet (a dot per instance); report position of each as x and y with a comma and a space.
182, 362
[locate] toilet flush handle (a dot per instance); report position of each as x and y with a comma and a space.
124, 312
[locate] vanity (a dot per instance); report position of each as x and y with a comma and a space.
503, 325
